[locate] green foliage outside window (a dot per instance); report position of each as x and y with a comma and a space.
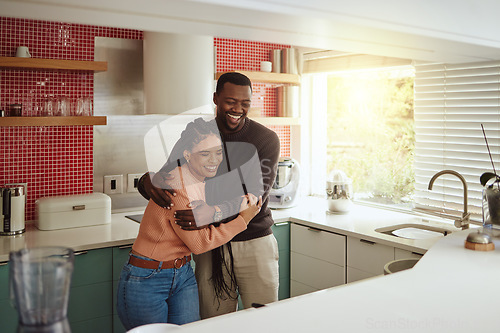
371, 133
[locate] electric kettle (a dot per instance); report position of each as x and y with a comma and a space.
12, 204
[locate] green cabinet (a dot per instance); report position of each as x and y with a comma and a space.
282, 233
90, 303
120, 256
8, 315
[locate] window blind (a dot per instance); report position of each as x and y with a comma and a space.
451, 103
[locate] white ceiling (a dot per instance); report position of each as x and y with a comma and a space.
427, 30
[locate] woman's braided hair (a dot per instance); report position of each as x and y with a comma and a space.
195, 132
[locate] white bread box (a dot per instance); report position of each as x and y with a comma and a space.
71, 211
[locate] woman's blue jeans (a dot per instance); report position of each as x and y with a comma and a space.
147, 296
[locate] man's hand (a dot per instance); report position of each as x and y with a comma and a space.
200, 216
157, 189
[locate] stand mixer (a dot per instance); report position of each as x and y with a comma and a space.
285, 188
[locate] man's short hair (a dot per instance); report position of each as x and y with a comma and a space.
234, 78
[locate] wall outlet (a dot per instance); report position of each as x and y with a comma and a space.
133, 181
113, 184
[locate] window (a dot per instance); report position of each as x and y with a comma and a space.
451, 103
370, 134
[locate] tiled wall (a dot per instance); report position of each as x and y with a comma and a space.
59, 160
247, 55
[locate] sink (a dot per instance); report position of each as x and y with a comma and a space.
414, 231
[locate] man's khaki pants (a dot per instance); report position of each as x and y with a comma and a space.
256, 271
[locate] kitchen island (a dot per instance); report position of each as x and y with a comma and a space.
451, 289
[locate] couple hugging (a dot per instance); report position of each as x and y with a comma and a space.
209, 199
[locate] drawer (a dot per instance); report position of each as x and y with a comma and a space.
103, 324
284, 264
298, 288
92, 266
318, 244
316, 273
120, 256
354, 274
4, 280
282, 233
8, 317
368, 256
284, 288
117, 325
90, 302
404, 254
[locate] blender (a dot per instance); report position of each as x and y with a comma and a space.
39, 288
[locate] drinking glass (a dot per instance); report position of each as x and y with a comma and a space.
84, 106
50, 106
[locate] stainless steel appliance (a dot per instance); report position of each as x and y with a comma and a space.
491, 200
12, 206
40, 279
285, 188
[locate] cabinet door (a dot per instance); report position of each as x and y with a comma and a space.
316, 273
403, 254
90, 298
354, 274
281, 232
297, 288
368, 256
120, 256
317, 259
315, 243
8, 315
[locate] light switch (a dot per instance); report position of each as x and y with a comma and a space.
133, 181
113, 184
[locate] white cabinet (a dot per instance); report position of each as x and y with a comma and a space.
404, 254
317, 259
366, 258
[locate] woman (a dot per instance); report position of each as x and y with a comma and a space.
156, 284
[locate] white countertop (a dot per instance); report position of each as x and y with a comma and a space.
360, 222
121, 231
451, 289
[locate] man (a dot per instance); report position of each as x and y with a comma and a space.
248, 264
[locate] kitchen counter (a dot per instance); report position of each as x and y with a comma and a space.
450, 289
360, 222
121, 231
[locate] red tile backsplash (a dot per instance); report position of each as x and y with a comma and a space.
59, 160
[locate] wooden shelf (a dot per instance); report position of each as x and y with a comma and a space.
265, 77
53, 121
53, 64
277, 121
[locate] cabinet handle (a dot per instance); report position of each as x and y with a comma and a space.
314, 229
367, 241
4, 263
125, 247
280, 224
79, 253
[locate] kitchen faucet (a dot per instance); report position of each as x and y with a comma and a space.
464, 221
